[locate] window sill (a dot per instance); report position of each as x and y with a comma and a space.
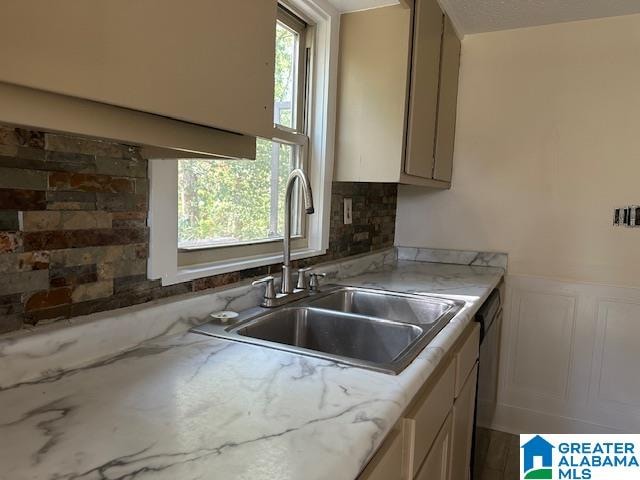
195, 248
192, 272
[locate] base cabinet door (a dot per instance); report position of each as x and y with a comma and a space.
423, 422
388, 463
436, 465
462, 429
433, 439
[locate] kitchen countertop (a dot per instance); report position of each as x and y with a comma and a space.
188, 406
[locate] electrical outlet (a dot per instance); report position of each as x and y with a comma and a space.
348, 211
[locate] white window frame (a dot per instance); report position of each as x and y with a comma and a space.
163, 173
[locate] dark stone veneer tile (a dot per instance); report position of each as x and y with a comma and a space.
55, 274
56, 240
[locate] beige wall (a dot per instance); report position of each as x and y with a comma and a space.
548, 142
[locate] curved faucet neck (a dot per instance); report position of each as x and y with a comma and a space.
296, 174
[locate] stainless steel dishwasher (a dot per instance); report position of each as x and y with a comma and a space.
489, 317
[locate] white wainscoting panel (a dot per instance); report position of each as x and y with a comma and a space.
543, 326
570, 360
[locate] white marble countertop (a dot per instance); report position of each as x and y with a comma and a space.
188, 406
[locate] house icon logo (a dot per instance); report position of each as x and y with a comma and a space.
537, 459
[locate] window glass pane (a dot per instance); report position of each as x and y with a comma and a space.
286, 73
224, 202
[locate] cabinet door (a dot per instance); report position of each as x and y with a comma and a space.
466, 356
387, 464
372, 92
436, 465
205, 62
423, 422
447, 103
423, 94
462, 437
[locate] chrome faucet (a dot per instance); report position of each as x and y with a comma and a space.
287, 282
287, 291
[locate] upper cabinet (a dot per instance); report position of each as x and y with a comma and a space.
447, 103
397, 95
205, 62
372, 83
423, 93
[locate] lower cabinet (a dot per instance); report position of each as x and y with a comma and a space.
432, 440
437, 464
424, 420
388, 463
462, 428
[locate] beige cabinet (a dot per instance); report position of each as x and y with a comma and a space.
206, 62
466, 356
432, 440
424, 420
447, 104
388, 463
397, 94
436, 465
423, 93
372, 84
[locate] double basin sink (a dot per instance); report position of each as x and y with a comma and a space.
374, 329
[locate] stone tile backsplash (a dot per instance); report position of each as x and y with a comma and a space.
74, 235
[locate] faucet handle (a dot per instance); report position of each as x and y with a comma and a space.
303, 283
270, 291
314, 284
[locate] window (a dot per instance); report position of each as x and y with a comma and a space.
238, 202
215, 216
227, 202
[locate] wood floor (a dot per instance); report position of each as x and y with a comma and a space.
497, 456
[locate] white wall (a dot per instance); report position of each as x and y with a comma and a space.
548, 142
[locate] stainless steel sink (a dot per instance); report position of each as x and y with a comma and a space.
368, 328
334, 333
398, 307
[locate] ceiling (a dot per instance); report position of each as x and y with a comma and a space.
476, 16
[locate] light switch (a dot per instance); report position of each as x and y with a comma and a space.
348, 211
